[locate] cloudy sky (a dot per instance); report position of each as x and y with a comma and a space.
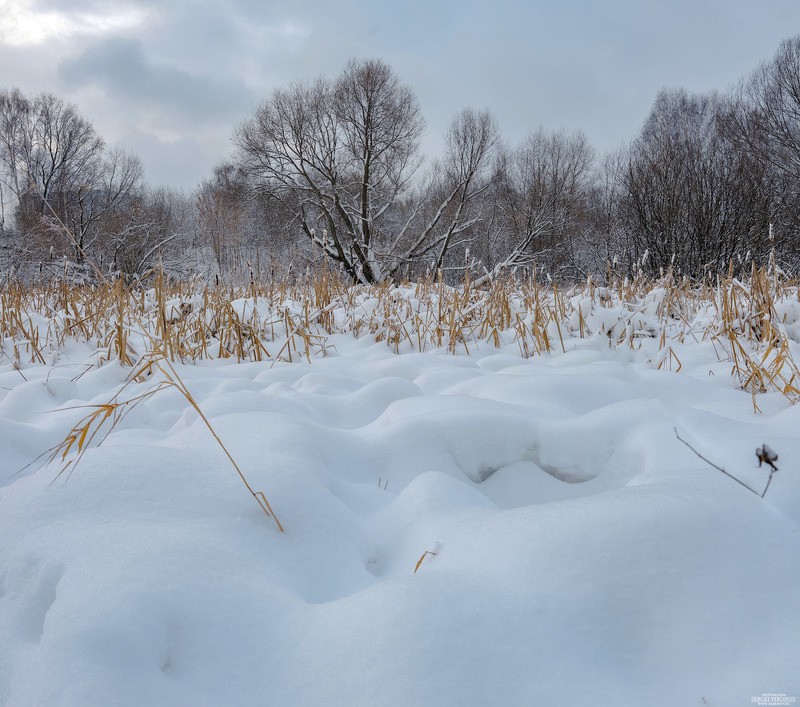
169, 79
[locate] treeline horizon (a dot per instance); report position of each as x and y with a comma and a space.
331, 170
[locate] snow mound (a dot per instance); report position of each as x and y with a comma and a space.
459, 531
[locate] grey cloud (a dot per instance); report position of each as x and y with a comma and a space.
174, 87
100, 7
120, 68
182, 163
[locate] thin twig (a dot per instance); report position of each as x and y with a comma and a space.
718, 468
769, 481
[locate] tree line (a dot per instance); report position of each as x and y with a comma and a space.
331, 170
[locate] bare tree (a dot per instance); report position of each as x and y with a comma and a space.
64, 180
380, 126
773, 93
114, 178
763, 120
603, 246
153, 228
453, 200
56, 163
15, 111
542, 198
342, 158
691, 198
221, 203
338, 156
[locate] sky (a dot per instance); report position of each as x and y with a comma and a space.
170, 79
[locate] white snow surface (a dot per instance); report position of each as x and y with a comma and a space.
580, 554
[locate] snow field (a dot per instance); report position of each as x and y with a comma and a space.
567, 547
582, 554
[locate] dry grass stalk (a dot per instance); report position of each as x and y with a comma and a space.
279, 321
103, 418
422, 557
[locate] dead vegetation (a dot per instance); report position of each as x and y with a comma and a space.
753, 323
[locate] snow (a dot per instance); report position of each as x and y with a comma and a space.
580, 554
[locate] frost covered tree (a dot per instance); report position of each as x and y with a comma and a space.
764, 121
221, 205
154, 229
541, 195
64, 180
338, 155
342, 158
689, 196
451, 203
771, 120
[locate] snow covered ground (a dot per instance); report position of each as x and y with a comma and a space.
579, 553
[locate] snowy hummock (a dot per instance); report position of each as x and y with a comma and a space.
579, 553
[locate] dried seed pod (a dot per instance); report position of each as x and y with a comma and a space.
767, 456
